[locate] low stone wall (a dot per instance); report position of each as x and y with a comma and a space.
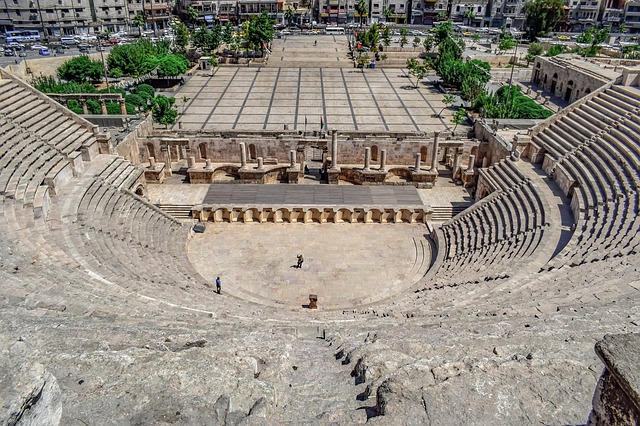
312, 214
129, 146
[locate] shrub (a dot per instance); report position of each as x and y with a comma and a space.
75, 106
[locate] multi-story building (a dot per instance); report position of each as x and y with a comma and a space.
611, 13
508, 13
249, 8
632, 16
336, 11
55, 18
583, 14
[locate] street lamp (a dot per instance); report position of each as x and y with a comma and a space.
513, 64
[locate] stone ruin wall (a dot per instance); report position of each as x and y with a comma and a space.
276, 150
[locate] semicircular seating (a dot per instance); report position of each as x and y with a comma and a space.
484, 241
593, 154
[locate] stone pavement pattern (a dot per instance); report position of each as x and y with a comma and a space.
344, 264
241, 98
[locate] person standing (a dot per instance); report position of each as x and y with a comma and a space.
300, 260
218, 285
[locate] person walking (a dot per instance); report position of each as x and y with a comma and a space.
218, 285
300, 260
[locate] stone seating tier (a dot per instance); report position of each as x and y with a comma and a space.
605, 166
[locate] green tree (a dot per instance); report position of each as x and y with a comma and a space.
428, 43
403, 37
49, 84
535, 49
469, 16
542, 16
476, 39
182, 36
622, 29
81, 69
193, 15
171, 65
594, 37
416, 70
386, 36
227, 33
447, 100
260, 31
362, 10
139, 22
441, 16
416, 41
289, 14
507, 42
556, 49
374, 37
164, 111
387, 14
458, 118
472, 88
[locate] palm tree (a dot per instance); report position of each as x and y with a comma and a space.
387, 14
193, 14
139, 22
289, 14
362, 10
470, 16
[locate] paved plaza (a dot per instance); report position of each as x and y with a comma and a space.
345, 264
304, 98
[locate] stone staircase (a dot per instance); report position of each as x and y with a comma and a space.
178, 211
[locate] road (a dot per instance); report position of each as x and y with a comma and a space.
33, 54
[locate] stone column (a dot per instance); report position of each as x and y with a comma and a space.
103, 105
85, 110
417, 165
207, 164
334, 149
243, 156
191, 162
472, 163
456, 162
152, 163
260, 163
383, 160
292, 157
434, 156
167, 160
123, 107
367, 159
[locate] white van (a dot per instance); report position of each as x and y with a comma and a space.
68, 40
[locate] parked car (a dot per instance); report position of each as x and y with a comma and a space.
37, 47
68, 40
564, 37
9, 51
44, 51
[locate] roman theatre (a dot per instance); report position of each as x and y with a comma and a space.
452, 274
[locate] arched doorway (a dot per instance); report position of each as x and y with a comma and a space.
374, 153
252, 151
423, 154
568, 90
554, 82
202, 149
